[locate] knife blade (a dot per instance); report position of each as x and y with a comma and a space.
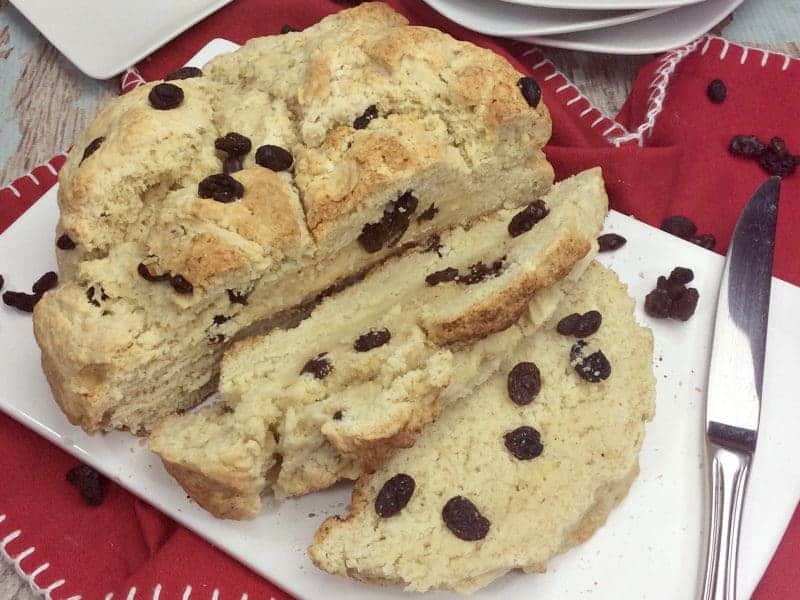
735, 380
740, 332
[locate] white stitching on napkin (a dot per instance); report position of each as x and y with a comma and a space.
47, 165
16, 562
663, 75
567, 85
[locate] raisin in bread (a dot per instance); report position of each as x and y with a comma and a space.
377, 362
494, 484
350, 140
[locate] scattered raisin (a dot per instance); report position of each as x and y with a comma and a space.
181, 285
221, 187
394, 495
428, 214
717, 91
658, 303
90, 297
681, 275
184, 73
274, 158
680, 226
165, 96
90, 484
237, 297
91, 148
45, 283
775, 163
529, 216
610, 241
525, 443
593, 368
443, 276
464, 519
580, 325
706, 240
337, 416
319, 366
673, 288
370, 113
220, 319
393, 224
372, 339
145, 274
20, 300
747, 146
64, 242
524, 383
530, 91
234, 144
684, 306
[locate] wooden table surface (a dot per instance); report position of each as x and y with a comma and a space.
45, 102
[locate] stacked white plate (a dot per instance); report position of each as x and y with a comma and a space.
613, 26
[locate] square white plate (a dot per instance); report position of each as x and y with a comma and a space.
604, 4
511, 20
648, 36
652, 545
104, 37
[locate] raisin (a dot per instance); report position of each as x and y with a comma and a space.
181, 285
372, 339
443, 276
567, 325
778, 164
524, 383
337, 416
237, 297
706, 240
234, 144
90, 484
274, 158
220, 319
433, 244
673, 288
184, 73
678, 225
231, 164
530, 91
464, 519
20, 300
525, 443
658, 303
91, 148
747, 146
145, 274
394, 495
610, 241
593, 368
370, 113
372, 237
288, 29
684, 306
479, 272
319, 366
45, 283
428, 214
681, 275
90, 297
221, 187
716, 91
580, 325
64, 242
778, 146
529, 216
165, 96
393, 224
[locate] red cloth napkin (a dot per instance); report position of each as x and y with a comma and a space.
664, 154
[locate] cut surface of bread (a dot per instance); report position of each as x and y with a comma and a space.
374, 364
364, 135
480, 494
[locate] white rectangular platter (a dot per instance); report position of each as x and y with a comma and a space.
652, 545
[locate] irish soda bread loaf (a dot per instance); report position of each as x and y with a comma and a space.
495, 484
203, 208
306, 407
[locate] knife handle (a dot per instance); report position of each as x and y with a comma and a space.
729, 470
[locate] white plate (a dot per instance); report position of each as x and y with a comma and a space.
604, 4
104, 37
663, 32
652, 544
509, 20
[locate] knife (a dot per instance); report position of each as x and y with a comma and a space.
735, 379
